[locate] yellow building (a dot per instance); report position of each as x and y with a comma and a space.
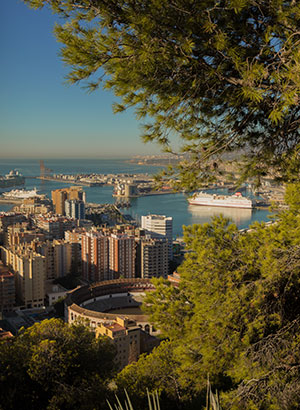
30, 279
126, 336
63, 253
29, 269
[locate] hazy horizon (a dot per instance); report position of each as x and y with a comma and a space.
66, 157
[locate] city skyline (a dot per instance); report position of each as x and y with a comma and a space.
40, 116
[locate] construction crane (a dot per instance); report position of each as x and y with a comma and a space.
44, 172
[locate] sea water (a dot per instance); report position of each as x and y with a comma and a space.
174, 205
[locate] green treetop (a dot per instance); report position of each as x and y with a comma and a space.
234, 316
223, 75
55, 366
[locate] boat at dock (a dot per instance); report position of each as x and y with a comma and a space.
20, 194
229, 201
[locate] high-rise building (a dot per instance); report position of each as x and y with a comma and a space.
107, 255
74, 237
75, 209
159, 226
59, 196
94, 254
46, 249
121, 256
154, 258
62, 257
29, 269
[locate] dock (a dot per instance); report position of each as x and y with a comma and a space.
10, 201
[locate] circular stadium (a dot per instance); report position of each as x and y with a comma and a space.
102, 302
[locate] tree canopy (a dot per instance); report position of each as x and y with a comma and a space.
234, 316
52, 365
223, 75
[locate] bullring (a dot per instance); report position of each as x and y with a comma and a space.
95, 302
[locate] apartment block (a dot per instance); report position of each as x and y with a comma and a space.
121, 256
29, 269
59, 196
95, 256
46, 249
159, 227
75, 209
61, 256
154, 258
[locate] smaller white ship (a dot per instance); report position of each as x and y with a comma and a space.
21, 194
229, 201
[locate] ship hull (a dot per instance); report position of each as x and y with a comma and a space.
14, 178
220, 205
7, 183
222, 201
20, 194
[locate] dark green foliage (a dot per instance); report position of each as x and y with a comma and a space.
52, 365
155, 371
59, 307
235, 316
69, 281
223, 75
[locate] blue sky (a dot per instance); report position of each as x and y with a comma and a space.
42, 117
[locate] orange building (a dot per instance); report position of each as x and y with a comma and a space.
94, 255
121, 256
59, 196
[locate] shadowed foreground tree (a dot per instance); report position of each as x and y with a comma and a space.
223, 75
155, 370
235, 316
52, 365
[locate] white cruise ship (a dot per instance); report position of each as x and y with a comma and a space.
20, 194
228, 201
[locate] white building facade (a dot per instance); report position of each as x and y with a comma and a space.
160, 227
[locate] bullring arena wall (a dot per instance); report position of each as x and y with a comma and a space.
108, 295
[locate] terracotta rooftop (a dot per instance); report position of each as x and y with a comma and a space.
5, 334
115, 327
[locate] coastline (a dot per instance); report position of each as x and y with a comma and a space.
170, 204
